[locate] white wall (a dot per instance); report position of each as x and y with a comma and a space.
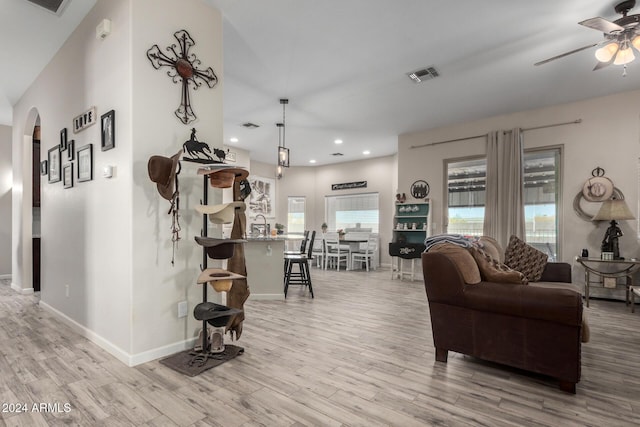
314, 183
607, 137
6, 181
108, 240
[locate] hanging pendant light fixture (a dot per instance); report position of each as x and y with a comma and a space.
283, 152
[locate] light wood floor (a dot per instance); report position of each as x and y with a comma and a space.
359, 354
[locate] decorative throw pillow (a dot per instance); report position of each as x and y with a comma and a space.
493, 270
462, 259
525, 258
492, 247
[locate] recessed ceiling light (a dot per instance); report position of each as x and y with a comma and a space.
366, 152
312, 161
234, 139
338, 141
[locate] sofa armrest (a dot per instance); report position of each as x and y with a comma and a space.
555, 305
557, 272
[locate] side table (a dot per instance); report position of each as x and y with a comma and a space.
608, 268
634, 290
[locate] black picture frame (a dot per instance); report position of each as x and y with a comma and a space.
44, 167
55, 164
63, 139
71, 150
108, 130
67, 175
85, 163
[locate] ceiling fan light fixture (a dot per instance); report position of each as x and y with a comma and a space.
636, 42
606, 52
624, 56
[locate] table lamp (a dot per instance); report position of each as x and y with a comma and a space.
613, 210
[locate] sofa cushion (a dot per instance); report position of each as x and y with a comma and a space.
525, 258
492, 247
492, 270
462, 259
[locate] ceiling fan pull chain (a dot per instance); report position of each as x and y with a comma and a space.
624, 72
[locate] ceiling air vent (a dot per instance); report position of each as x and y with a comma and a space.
53, 6
250, 125
424, 74
337, 154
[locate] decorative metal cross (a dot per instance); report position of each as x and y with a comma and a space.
183, 67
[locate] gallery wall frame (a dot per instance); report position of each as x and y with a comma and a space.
108, 127
261, 199
53, 158
85, 163
71, 150
44, 167
63, 139
67, 175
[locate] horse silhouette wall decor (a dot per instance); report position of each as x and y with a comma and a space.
200, 151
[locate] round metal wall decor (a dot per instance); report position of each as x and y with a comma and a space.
420, 189
617, 194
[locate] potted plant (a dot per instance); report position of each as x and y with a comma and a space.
341, 233
279, 228
324, 227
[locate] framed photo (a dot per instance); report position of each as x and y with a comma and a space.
44, 167
54, 164
67, 175
85, 163
71, 150
261, 199
108, 123
63, 139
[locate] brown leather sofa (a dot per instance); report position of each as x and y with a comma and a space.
534, 328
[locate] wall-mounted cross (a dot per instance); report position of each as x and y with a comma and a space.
183, 66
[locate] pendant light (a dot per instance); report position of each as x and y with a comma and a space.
283, 152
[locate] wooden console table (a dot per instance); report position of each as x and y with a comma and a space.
615, 269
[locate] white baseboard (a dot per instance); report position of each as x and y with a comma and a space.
18, 289
126, 358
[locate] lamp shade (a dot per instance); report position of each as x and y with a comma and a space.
613, 209
606, 52
624, 56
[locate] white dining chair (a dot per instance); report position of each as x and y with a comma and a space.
366, 255
335, 251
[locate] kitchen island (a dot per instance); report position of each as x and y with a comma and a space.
265, 265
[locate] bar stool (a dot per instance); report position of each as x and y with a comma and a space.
303, 275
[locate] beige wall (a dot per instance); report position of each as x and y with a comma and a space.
6, 178
314, 183
607, 137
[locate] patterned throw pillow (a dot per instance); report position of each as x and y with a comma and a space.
493, 270
525, 258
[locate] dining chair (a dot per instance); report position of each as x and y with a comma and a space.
303, 276
319, 251
335, 251
366, 255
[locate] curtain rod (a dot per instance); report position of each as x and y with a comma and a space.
574, 122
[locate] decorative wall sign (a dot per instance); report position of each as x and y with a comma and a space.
67, 175
85, 163
108, 129
197, 149
349, 185
420, 189
54, 164
231, 156
84, 120
183, 67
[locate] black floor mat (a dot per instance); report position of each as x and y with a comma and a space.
187, 362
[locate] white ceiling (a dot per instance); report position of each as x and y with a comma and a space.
343, 66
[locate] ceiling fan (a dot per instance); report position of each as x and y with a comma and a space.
619, 38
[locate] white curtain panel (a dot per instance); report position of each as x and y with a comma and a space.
504, 206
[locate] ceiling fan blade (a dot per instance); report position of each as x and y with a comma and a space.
600, 65
567, 54
603, 25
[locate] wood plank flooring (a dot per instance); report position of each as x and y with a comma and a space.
359, 354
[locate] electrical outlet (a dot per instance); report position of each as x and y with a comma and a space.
182, 309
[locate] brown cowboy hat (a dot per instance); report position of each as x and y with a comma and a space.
162, 171
223, 176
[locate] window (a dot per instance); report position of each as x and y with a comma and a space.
295, 215
466, 197
352, 211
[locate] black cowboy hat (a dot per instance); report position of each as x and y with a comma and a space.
217, 315
218, 248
